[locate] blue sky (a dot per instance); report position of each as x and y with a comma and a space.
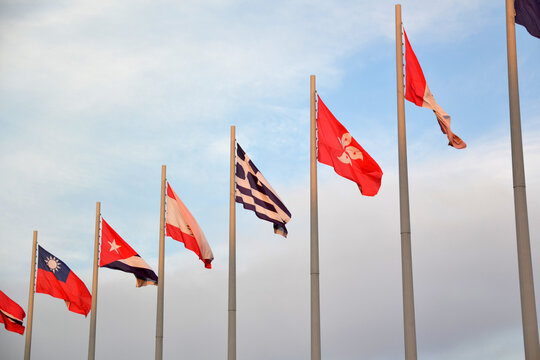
96, 96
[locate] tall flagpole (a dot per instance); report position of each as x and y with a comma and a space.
92, 340
231, 355
314, 216
406, 258
161, 271
526, 284
28, 343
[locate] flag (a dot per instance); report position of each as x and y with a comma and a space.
528, 15
56, 279
115, 253
11, 314
183, 227
337, 148
418, 93
255, 193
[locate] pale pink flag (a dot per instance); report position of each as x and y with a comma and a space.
181, 226
418, 93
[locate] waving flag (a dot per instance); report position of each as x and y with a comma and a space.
183, 227
528, 15
255, 193
11, 314
115, 253
56, 279
418, 93
337, 148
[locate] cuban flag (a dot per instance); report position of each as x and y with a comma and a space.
418, 93
182, 226
11, 314
255, 193
56, 279
115, 253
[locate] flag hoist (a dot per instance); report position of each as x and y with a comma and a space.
177, 222
332, 144
249, 188
113, 252
526, 13
55, 278
419, 94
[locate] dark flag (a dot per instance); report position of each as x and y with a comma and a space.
528, 15
117, 254
255, 193
11, 314
56, 279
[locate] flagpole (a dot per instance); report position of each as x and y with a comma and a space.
314, 216
232, 251
405, 222
28, 342
161, 271
526, 283
92, 339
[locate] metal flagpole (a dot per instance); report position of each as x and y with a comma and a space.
314, 216
406, 258
232, 252
92, 340
526, 284
28, 342
161, 271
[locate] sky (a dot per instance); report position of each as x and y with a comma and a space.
96, 96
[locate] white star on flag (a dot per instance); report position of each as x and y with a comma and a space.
114, 246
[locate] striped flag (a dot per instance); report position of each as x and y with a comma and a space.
11, 314
255, 193
183, 227
417, 92
116, 254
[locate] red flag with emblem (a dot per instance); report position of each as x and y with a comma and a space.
337, 148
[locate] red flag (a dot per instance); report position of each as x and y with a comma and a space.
183, 227
11, 314
56, 279
337, 148
115, 253
418, 93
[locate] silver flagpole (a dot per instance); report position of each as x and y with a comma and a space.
161, 270
406, 258
526, 284
314, 216
28, 343
232, 252
92, 340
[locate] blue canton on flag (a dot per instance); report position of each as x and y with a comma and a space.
50, 263
254, 193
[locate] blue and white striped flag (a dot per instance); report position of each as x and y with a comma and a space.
254, 193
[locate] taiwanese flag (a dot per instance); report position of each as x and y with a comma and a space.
337, 148
116, 254
56, 279
418, 93
11, 314
183, 227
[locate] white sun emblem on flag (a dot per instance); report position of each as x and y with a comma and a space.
349, 152
53, 264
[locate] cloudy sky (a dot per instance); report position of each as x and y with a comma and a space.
96, 95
